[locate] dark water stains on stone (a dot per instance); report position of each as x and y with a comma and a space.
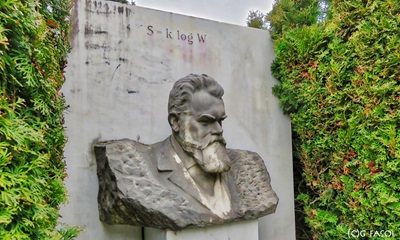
121, 10
101, 32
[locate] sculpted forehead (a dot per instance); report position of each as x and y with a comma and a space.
202, 102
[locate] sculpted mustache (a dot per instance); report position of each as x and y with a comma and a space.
211, 139
206, 141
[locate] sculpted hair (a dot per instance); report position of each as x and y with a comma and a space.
183, 90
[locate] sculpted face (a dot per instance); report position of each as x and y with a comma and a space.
200, 132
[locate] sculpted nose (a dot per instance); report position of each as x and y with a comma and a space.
217, 128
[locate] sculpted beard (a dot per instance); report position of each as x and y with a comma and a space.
210, 153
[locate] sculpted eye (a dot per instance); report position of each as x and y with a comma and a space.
205, 120
208, 120
222, 119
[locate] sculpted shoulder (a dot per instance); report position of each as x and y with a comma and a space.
128, 191
252, 182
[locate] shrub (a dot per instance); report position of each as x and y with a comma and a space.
33, 48
340, 83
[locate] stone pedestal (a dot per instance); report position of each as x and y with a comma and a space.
234, 231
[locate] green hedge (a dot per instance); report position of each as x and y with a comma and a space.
340, 83
33, 48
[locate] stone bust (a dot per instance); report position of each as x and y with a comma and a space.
188, 180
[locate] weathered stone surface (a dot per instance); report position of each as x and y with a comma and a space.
132, 192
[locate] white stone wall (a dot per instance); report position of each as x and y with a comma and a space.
123, 63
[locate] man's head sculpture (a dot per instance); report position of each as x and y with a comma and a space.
189, 179
195, 113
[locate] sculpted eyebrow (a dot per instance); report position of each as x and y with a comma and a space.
210, 117
206, 117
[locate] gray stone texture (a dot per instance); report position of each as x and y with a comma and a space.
131, 192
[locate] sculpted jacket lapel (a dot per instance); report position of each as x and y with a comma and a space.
166, 163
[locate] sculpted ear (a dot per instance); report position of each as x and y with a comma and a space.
173, 120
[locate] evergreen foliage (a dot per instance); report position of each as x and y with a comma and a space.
290, 14
33, 48
340, 83
256, 19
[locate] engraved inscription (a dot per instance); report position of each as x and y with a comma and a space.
179, 35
